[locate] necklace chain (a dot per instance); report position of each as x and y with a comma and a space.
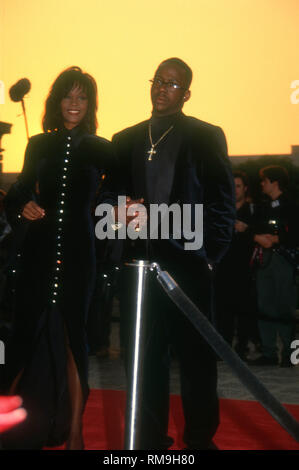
152, 151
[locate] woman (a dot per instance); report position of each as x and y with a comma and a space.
53, 197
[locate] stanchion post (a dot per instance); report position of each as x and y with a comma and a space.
140, 272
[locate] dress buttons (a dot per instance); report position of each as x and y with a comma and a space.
59, 221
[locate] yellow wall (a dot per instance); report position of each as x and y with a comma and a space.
244, 54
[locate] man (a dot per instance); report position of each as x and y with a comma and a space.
235, 305
276, 236
172, 158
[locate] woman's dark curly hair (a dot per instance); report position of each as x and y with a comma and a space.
73, 76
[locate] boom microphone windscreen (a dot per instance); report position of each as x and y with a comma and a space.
19, 89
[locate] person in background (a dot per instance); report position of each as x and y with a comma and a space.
4, 225
276, 235
235, 301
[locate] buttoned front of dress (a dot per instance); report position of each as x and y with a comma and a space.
60, 219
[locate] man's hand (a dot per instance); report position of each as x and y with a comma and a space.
10, 413
33, 211
125, 214
240, 226
266, 240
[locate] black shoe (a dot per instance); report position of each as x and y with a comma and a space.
212, 446
264, 361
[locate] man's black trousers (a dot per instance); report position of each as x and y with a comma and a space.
169, 333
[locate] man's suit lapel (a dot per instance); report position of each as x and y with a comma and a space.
180, 164
138, 162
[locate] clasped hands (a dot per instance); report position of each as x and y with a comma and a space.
133, 209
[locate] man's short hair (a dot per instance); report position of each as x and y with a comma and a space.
242, 175
275, 173
183, 65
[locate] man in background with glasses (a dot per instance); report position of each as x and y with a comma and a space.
173, 158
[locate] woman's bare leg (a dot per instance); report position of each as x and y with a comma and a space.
75, 440
13, 388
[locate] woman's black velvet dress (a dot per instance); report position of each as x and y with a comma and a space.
55, 277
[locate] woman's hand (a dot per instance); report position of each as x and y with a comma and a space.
10, 413
33, 211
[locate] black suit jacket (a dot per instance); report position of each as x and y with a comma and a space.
202, 175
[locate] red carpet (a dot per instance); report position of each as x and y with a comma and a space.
245, 425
